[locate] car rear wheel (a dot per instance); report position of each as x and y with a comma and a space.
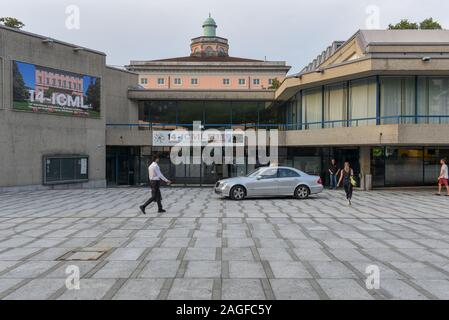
302, 192
237, 193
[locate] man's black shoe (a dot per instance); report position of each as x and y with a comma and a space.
161, 211
142, 208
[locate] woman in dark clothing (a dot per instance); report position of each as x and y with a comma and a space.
346, 174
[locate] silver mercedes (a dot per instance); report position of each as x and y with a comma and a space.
270, 181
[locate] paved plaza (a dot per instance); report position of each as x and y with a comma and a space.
206, 247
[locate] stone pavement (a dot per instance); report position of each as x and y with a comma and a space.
206, 247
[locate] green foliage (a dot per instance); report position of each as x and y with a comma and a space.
404, 24
426, 24
20, 91
430, 24
275, 84
12, 22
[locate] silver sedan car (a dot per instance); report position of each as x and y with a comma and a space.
270, 181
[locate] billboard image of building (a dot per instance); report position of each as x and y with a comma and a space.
42, 89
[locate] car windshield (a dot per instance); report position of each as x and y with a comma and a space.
254, 173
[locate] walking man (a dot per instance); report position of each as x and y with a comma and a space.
333, 173
155, 175
443, 178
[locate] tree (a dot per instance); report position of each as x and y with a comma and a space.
12, 22
426, 24
19, 89
93, 94
430, 24
404, 24
275, 84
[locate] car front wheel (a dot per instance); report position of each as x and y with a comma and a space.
302, 192
237, 193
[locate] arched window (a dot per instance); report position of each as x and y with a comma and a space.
209, 51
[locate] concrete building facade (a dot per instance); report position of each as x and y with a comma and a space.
29, 139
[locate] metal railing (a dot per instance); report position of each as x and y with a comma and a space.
416, 119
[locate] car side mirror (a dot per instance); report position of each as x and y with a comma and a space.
259, 177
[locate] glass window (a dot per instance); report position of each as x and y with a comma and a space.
312, 109
177, 81
256, 81
270, 173
190, 111
335, 106
242, 81
362, 102
161, 113
397, 98
144, 80
403, 166
433, 99
217, 114
160, 80
226, 81
245, 113
270, 81
194, 81
287, 173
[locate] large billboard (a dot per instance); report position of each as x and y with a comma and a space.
42, 89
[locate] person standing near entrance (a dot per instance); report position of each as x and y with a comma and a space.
155, 176
333, 174
347, 175
444, 177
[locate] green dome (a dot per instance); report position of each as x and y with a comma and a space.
209, 27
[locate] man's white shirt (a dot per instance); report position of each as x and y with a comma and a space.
154, 172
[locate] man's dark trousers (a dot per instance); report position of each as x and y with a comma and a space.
155, 194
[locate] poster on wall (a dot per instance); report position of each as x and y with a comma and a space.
47, 90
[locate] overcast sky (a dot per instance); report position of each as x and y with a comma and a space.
295, 31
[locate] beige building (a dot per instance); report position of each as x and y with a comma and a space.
208, 67
379, 100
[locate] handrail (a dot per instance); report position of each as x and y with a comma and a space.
289, 126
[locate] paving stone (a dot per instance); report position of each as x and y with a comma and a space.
30, 269
398, 289
163, 254
333, 269
200, 254
244, 254
246, 269
191, 289
344, 289
126, 254
439, 288
140, 289
37, 289
160, 269
274, 254
242, 289
293, 289
90, 289
203, 269
289, 269
203, 240
116, 269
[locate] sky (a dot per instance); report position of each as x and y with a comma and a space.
295, 31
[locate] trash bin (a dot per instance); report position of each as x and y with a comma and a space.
368, 182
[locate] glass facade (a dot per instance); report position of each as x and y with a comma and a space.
212, 114
406, 166
370, 101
